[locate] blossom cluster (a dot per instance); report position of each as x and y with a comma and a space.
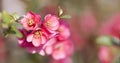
49, 36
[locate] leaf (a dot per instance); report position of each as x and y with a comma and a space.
60, 11
15, 16
16, 31
5, 33
6, 17
104, 40
65, 16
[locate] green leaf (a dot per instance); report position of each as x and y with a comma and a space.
65, 16
60, 11
5, 32
7, 18
15, 16
17, 32
104, 40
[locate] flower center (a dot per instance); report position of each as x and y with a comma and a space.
31, 22
48, 23
60, 47
37, 34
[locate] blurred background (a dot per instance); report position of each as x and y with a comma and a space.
87, 18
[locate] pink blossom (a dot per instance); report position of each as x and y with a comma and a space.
51, 23
30, 21
50, 37
64, 32
62, 49
3, 51
112, 26
105, 55
37, 37
27, 45
48, 47
66, 60
88, 22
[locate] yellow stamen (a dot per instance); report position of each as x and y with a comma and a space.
31, 22
37, 34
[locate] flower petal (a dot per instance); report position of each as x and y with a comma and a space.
58, 55
36, 42
42, 53
43, 40
30, 37
48, 50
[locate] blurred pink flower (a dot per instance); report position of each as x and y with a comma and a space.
64, 32
105, 55
62, 49
30, 21
37, 37
51, 23
66, 60
2, 51
112, 26
88, 22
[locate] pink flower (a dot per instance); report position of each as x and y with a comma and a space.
64, 32
27, 45
112, 26
51, 23
30, 21
62, 49
47, 47
88, 22
37, 37
66, 60
105, 55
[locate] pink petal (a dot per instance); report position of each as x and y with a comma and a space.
42, 53
30, 37
20, 41
48, 50
36, 42
43, 39
58, 55
47, 17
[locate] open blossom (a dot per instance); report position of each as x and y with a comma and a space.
62, 49
30, 21
37, 37
22, 42
64, 32
51, 23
